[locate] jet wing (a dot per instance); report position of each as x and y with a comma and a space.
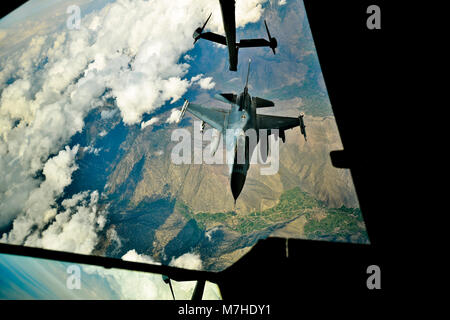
216, 118
280, 123
275, 122
226, 97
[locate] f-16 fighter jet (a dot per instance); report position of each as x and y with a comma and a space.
229, 25
241, 117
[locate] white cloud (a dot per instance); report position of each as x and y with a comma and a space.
39, 206
149, 122
196, 78
174, 116
112, 236
76, 228
132, 255
91, 149
249, 11
282, 2
108, 114
206, 83
187, 261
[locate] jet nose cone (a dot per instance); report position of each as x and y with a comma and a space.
237, 183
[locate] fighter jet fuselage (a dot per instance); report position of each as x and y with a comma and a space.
235, 124
242, 117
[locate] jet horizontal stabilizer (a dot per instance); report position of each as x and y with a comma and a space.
226, 97
211, 36
262, 103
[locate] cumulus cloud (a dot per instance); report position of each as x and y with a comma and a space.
76, 228
174, 116
187, 261
113, 237
40, 205
149, 122
128, 51
132, 255
196, 78
91, 149
108, 114
249, 11
204, 82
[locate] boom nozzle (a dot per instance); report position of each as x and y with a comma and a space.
248, 73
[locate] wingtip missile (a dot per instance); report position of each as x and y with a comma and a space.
183, 110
